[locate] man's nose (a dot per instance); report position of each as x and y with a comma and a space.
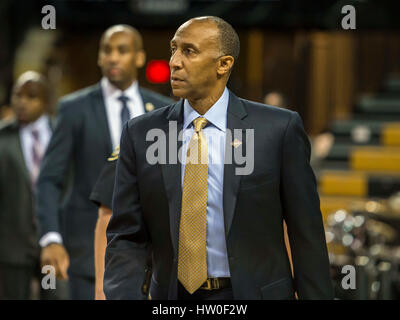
114, 56
175, 62
22, 101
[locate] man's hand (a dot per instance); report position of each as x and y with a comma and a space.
99, 294
56, 255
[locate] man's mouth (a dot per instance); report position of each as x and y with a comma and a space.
175, 78
114, 71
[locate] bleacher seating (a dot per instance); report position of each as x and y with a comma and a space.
364, 161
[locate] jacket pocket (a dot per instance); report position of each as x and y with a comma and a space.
252, 182
278, 290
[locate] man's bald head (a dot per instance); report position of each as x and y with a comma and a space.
30, 97
203, 52
228, 38
121, 54
35, 78
136, 36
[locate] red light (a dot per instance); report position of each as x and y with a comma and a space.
157, 71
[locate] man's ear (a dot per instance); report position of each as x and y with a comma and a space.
140, 59
225, 64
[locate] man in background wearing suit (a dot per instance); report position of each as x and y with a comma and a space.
88, 129
23, 141
214, 233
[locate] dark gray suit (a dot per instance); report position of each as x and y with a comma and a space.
19, 249
80, 146
147, 207
18, 234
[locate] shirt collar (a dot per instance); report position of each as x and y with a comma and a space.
216, 115
111, 91
42, 123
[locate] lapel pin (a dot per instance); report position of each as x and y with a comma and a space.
236, 143
114, 155
149, 106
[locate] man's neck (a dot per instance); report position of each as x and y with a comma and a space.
32, 122
123, 86
202, 105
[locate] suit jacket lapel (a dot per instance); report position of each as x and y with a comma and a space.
52, 123
147, 100
172, 170
235, 116
16, 148
100, 115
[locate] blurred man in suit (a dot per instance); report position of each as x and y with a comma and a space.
215, 229
88, 129
23, 141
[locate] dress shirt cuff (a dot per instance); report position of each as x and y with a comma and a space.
50, 237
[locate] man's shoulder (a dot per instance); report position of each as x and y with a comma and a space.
76, 99
155, 119
258, 107
263, 112
8, 131
155, 98
8, 126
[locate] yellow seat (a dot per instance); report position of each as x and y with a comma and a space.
375, 158
344, 183
330, 204
390, 135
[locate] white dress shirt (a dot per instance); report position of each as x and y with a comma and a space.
114, 106
42, 126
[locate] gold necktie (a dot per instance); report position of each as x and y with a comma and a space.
192, 256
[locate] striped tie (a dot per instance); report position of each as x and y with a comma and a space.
125, 114
36, 156
192, 257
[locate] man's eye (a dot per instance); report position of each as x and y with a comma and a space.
173, 50
123, 50
188, 51
106, 50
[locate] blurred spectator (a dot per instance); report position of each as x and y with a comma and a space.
88, 129
276, 99
23, 141
321, 145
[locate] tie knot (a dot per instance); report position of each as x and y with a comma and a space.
123, 99
199, 123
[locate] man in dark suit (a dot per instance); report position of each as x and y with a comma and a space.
23, 141
88, 129
215, 227
101, 196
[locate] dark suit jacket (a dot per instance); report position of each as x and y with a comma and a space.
80, 145
147, 207
18, 227
104, 187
